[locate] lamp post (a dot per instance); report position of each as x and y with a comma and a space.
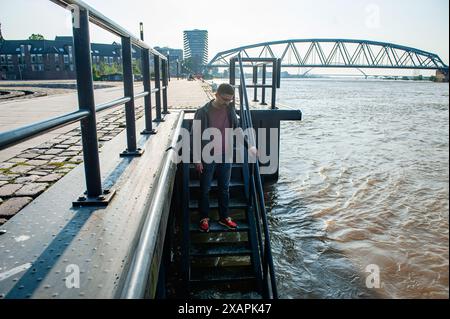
141, 29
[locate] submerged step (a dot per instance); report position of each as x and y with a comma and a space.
220, 249
221, 274
193, 183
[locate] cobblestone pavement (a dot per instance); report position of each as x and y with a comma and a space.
27, 175
16, 89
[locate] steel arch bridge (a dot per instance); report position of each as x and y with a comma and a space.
336, 53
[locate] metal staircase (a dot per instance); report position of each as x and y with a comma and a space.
224, 259
231, 261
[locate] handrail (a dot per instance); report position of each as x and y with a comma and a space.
258, 191
138, 274
15, 136
142, 94
111, 104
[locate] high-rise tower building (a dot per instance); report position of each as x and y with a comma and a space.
196, 49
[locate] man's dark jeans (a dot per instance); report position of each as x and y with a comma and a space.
223, 182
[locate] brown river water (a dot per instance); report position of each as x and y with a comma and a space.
361, 208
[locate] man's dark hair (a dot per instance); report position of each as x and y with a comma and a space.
225, 88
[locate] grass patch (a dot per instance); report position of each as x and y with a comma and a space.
60, 165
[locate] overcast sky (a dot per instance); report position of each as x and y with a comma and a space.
417, 23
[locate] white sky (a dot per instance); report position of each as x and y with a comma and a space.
417, 23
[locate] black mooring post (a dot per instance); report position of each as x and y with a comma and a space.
85, 85
233, 76
165, 81
147, 88
128, 88
255, 82
156, 60
274, 84
263, 91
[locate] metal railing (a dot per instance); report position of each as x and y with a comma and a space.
82, 14
263, 63
137, 279
257, 195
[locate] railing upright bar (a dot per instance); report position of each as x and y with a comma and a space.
274, 84
168, 68
165, 83
147, 88
83, 64
278, 73
260, 192
158, 87
233, 76
128, 87
263, 91
255, 82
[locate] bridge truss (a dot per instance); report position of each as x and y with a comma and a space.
336, 53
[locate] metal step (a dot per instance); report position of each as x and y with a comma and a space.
215, 227
236, 172
221, 274
220, 249
237, 165
214, 203
196, 183
238, 215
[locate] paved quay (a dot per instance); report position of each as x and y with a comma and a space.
28, 169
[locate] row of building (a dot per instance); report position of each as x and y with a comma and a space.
54, 59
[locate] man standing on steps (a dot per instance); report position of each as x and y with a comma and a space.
219, 114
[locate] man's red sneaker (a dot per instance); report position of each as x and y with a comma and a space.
204, 225
228, 222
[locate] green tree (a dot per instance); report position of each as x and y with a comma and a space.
136, 68
187, 65
96, 72
36, 36
102, 69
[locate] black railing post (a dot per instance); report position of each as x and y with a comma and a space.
156, 60
263, 91
274, 84
255, 82
147, 88
278, 73
85, 85
94, 195
165, 83
128, 87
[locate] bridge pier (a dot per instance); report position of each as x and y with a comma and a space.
442, 76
